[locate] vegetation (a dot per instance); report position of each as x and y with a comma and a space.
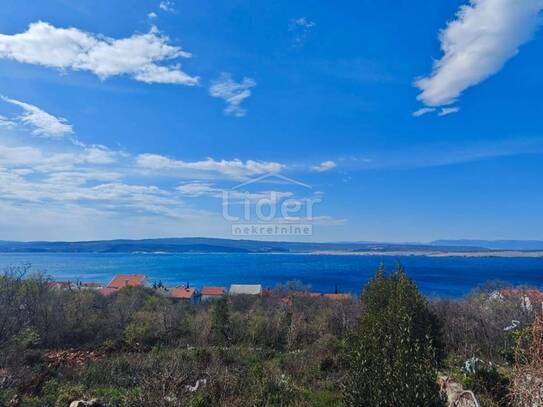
527, 377
138, 348
393, 354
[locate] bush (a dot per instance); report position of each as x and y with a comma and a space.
393, 355
143, 329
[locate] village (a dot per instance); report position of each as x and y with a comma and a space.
191, 294
528, 299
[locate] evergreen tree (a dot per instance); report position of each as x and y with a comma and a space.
220, 322
393, 354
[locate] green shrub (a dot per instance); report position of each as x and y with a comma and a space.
392, 357
142, 329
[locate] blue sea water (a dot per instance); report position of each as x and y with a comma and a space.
435, 276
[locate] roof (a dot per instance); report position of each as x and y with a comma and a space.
252, 289
339, 297
213, 291
531, 293
182, 293
123, 280
106, 292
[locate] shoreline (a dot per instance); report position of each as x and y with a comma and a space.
414, 253
366, 253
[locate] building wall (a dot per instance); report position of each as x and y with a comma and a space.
211, 297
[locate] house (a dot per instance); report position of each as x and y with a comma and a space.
338, 297
183, 294
247, 289
128, 280
211, 293
90, 286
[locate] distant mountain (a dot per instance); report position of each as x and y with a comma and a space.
212, 245
493, 244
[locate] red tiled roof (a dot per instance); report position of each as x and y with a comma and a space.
123, 280
338, 297
531, 293
182, 293
106, 292
213, 291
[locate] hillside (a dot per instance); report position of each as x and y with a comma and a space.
212, 245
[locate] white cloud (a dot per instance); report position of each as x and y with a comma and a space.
43, 123
301, 27
98, 155
476, 45
7, 123
71, 190
199, 189
152, 15
73, 221
424, 110
167, 6
81, 177
236, 169
303, 22
445, 111
20, 156
138, 56
196, 189
86, 180
90, 191
33, 158
324, 166
233, 93
30, 174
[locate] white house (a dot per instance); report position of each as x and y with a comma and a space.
247, 289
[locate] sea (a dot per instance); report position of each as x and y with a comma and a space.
450, 277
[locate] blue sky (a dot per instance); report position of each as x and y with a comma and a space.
410, 121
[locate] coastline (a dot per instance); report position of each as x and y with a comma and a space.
370, 253
414, 253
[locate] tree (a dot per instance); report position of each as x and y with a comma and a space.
394, 352
220, 322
